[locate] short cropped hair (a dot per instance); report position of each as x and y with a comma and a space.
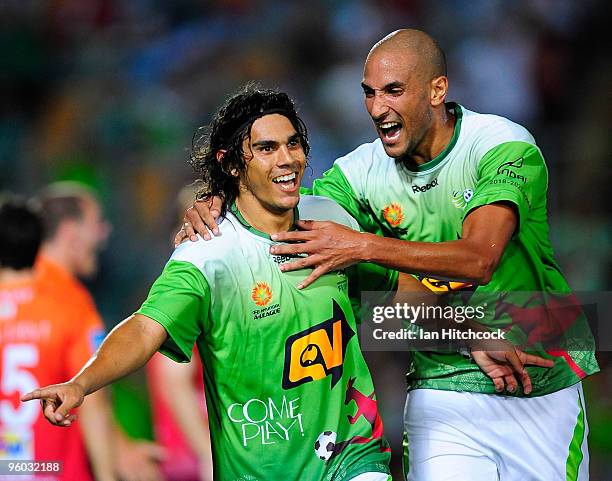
62, 201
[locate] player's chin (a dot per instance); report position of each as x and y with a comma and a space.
289, 201
396, 149
88, 268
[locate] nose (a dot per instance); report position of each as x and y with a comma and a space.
284, 156
378, 106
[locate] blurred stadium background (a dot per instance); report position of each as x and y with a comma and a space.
110, 93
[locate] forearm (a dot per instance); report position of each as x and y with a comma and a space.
96, 426
460, 260
127, 348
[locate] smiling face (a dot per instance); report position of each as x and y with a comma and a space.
275, 163
397, 96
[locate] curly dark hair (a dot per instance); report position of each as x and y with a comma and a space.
230, 127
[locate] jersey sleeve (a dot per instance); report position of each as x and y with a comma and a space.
87, 332
512, 172
334, 185
179, 300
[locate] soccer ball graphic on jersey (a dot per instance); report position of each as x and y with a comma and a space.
325, 444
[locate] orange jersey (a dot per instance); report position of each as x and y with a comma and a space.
49, 328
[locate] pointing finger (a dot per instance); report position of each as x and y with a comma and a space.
38, 394
534, 360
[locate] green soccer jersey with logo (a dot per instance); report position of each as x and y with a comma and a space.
288, 392
489, 159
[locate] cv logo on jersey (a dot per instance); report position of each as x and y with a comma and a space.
318, 351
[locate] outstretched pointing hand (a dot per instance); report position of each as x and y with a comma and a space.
57, 401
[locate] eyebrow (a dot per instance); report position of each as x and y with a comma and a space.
274, 143
389, 86
265, 143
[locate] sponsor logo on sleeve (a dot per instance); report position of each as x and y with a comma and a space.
505, 169
461, 198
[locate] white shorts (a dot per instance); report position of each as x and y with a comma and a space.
372, 477
459, 436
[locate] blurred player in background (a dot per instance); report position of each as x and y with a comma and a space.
464, 195
75, 231
44, 337
178, 406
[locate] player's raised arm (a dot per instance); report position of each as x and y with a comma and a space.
127, 348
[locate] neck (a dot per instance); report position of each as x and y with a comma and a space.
59, 254
436, 139
8, 275
260, 217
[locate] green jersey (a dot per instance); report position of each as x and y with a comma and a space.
288, 392
489, 159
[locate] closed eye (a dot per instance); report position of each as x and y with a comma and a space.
396, 92
367, 91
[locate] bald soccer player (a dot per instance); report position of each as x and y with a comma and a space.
447, 193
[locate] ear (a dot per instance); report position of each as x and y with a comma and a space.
67, 230
220, 154
439, 89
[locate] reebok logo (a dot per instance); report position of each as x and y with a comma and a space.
424, 188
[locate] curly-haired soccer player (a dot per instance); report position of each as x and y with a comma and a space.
288, 391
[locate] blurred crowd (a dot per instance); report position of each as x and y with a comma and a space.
109, 93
